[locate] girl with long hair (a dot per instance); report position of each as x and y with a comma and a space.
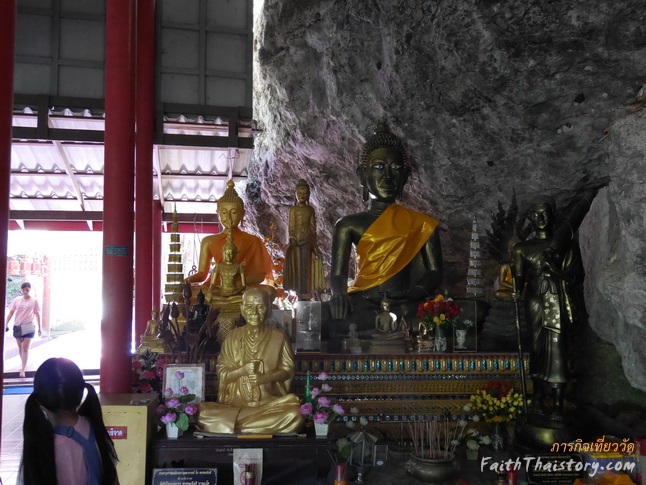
65, 442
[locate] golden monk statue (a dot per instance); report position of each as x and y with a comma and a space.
398, 250
303, 266
250, 249
228, 278
255, 370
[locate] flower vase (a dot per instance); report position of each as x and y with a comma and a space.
460, 338
472, 454
172, 431
440, 339
321, 429
497, 438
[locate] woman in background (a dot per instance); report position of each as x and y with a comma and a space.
27, 310
65, 442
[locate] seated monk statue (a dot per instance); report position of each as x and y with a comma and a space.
258, 263
228, 278
255, 370
398, 249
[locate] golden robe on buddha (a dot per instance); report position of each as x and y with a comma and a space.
389, 244
243, 407
251, 250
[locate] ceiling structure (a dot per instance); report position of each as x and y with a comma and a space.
59, 176
203, 128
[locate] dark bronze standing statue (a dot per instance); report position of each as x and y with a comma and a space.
547, 267
398, 250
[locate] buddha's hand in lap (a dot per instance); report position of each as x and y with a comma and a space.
340, 306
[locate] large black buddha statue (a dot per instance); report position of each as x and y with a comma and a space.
398, 249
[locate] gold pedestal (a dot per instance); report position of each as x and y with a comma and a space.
227, 318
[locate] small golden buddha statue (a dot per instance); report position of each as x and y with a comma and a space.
255, 370
229, 274
150, 338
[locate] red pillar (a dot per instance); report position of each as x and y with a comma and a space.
7, 47
118, 211
144, 164
158, 213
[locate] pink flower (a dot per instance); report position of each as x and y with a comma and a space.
326, 387
324, 402
145, 387
190, 409
168, 418
172, 402
168, 392
179, 374
159, 372
160, 409
149, 374
306, 409
183, 390
323, 376
315, 391
320, 417
337, 408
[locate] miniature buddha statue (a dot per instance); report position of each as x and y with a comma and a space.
398, 249
303, 266
505, 278
386, 326
150, 338
255, 370
250, 249
228, 278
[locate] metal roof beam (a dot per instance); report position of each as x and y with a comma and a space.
70, 173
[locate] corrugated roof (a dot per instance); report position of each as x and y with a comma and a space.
54, 175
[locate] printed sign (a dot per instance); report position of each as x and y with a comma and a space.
185, 476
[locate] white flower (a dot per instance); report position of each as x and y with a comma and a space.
342, 443
466, 408
350, 424
363, 421
472, 432
462, 423
475, 418
472, 444
485, 440
455, 442
354, 410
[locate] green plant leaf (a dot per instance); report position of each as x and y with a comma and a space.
182, 421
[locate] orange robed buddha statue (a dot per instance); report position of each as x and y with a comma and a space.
250, 249
255, 370
398, 249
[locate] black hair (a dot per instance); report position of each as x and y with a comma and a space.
26, 284
59, 386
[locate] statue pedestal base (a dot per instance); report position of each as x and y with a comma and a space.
382, 346
539, 433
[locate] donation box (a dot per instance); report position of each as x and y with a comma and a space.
129, 419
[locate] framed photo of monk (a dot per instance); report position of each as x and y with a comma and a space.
190, 376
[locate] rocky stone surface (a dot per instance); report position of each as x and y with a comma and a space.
533, 95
